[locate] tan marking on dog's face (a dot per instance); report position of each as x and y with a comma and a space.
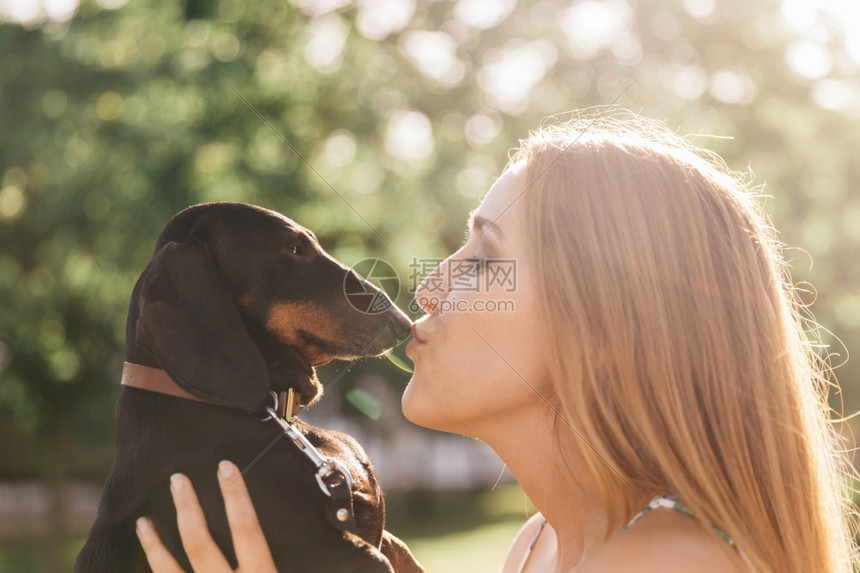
287, 318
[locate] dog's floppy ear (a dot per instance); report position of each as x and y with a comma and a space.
188, 323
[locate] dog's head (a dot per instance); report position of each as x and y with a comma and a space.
239, 300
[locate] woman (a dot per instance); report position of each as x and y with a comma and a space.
653, 357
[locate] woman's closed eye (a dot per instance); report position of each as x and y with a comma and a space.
465, 272
479, 264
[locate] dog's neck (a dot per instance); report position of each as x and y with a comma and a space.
159, 381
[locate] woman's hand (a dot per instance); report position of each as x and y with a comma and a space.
252, 552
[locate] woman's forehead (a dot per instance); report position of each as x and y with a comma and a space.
503, 195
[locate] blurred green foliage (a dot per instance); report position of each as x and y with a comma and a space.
116, 115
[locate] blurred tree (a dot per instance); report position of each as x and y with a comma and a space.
116, 115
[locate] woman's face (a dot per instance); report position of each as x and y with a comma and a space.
478, 352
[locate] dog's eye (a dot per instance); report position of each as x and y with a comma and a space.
297, 250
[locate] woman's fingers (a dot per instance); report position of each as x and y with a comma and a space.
159, 558
252, 551
202, 551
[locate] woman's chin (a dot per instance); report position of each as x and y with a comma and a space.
407, 402
416, 407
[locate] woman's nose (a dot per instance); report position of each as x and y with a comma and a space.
432, 290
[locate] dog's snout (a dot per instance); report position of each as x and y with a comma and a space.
382, 318
353, 283
399, 324
370, 299
391, 335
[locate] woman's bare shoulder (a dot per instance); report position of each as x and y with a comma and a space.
521, 543
668, 542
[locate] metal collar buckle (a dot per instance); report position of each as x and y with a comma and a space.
286, 404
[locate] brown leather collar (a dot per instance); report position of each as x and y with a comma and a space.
157, 380
154, 380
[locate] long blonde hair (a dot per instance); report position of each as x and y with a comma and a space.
676, 341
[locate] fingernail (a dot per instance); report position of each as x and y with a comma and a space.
226, 469
142, 525
176, 482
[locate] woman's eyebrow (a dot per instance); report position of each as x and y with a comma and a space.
482, 224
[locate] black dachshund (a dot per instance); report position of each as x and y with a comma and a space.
239, 302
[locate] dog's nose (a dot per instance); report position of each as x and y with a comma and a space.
398, 322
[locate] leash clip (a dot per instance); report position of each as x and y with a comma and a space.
332, 476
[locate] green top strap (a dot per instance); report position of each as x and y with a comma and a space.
668, 501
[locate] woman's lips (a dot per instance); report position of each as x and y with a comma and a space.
419, 332
423, 328
415, 334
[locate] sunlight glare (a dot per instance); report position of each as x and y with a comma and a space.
378, 19
409, 137
435, 56
509, 73
29, 12
590, 26
325, 46
809, 59
483, 14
